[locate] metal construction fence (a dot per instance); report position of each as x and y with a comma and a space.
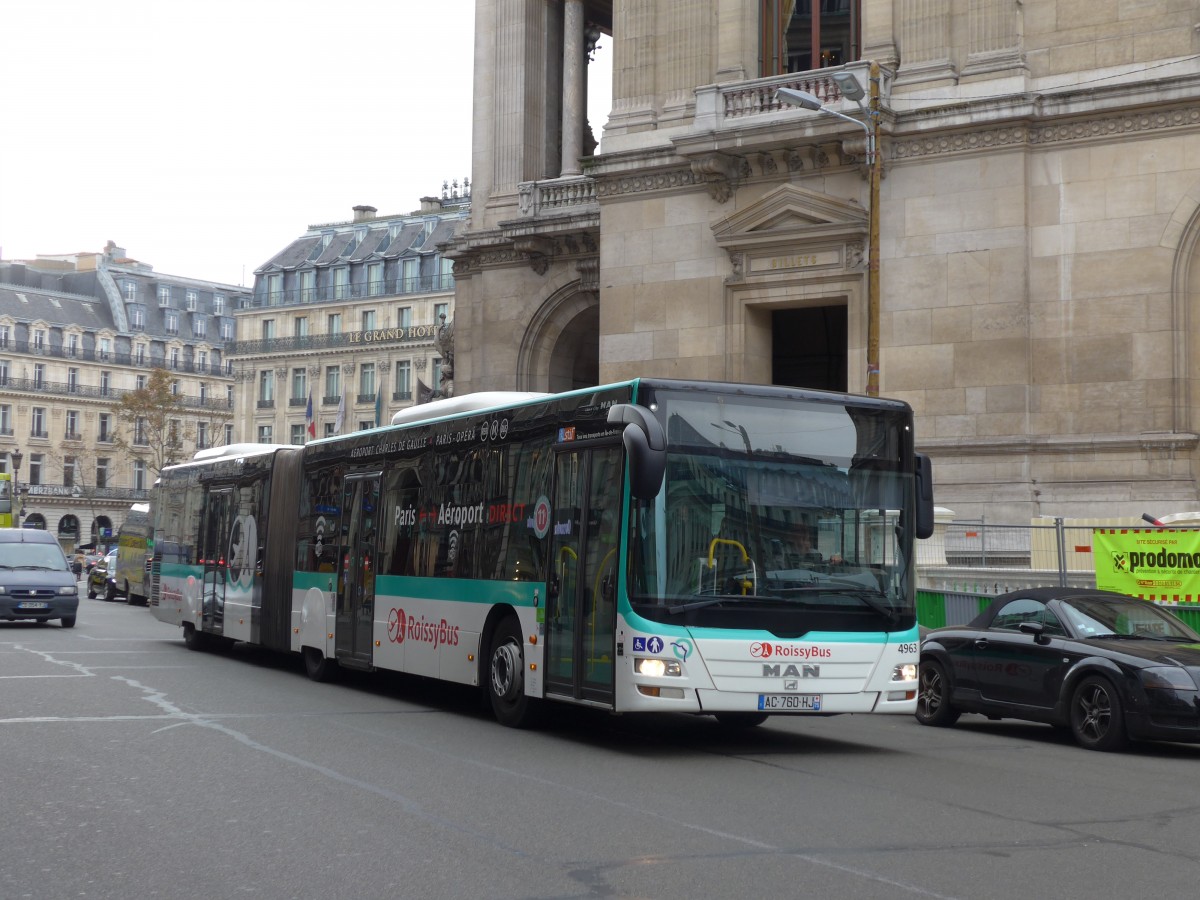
968, 562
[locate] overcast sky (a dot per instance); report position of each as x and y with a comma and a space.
203, 138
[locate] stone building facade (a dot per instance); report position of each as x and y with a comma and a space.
352, 318
1037, 214
77, 332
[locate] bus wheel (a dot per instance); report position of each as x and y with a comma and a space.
740, 720
193, 639
506, 676
318, 666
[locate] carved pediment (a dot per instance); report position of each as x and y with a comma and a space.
790, 216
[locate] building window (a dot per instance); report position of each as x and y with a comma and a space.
334, 324
410, 276
300, 326
203, 392
264, 434
139, 475
36, 463
137, 318
39, 340
139, 382
141, 436
226, 330
201, 360
72, 430
798, 37
193, 299
368, 320
375, 279
366, 381
102, 472
274, 289
130, 290
3, 371
171, 322
105, 348
175, 388
72, 380
69, 468
298, 433
6, 425
366, 424
73, 345
439, 310
199, 326
139, 354
308, 286
268, 329
229, 395
403, 379
201, 435
404, 317
38, 425
39, 376
329, 432
228, 434
341, 283
299, 383
333, 382
105, 434
218, 304
174, 358
105, 382
164, 295
266, 386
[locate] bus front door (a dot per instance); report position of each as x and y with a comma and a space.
581, 602
214, 558
356, 586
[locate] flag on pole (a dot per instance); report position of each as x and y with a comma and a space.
424, 394
378, 406
308, 417
341, 414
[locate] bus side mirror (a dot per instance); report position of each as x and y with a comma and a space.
645, 445
924, 478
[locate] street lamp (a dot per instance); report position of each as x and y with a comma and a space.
17, 457
850, 88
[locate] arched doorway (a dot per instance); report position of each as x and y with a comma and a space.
102, 530
68, 529
35, 520
561, 347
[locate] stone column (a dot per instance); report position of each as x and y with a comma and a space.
573, 110
994, 34
925, 51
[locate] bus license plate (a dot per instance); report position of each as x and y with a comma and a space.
33, 604
792, 702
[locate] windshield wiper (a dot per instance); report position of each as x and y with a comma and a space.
872, 597
711, 601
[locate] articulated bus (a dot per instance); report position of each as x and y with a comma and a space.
7, 500
637, 547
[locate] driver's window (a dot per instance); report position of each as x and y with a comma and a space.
1010, 617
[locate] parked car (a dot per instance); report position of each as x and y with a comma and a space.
36, 581
1105, 666
102, 578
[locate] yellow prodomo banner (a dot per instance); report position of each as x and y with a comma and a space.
1151, 563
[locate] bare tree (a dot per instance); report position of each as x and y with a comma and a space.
155, 421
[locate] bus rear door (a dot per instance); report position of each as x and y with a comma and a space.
582, 592
214, 557
356, 586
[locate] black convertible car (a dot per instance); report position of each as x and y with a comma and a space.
1107, 666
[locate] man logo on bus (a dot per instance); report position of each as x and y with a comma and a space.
243, 548
760, 650
1118, 560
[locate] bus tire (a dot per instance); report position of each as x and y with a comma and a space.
193, 639
506, 676
318, 666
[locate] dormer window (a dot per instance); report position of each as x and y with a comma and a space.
171, 323
218, 304
164, 295
137, 318
130, 290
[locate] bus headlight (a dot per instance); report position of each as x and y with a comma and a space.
906, 672
656, 668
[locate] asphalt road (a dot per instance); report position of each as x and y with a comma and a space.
136, 768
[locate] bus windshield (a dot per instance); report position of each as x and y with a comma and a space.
777, 514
